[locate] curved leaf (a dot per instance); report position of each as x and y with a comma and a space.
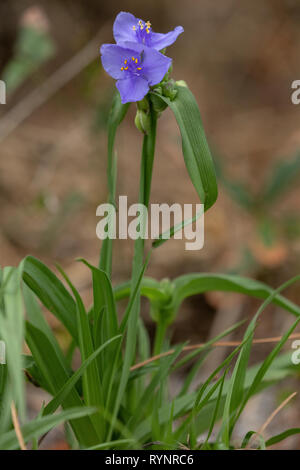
283, 435
42, 425
192, 284
55, 376
116, 116
195, 148
69, 385
51, 292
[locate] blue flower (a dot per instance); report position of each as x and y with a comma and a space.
135, 67
128, 28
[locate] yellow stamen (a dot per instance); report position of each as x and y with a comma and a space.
122, 68
126, 68
148, 24
125, 61
134, 28
139, 68
133, 58
136, 61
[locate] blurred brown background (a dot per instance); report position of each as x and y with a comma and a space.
239, 59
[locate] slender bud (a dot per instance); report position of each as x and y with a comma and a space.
181, 83
142, 121
158, 104
143, 105
169, 90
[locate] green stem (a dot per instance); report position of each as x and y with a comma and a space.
116, 116
160, 334
144, 197
144, 193
137, 266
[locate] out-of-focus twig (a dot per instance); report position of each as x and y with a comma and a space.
271, 417
22, 110
17, 427
275, 412
217, 344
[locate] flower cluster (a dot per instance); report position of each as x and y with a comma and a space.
135, 61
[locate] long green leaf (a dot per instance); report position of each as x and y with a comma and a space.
116, 116
12, 333
105, 320
51, 292
235, 393
193, 284
92, 387
104, 298
42, 425
283, 435
36, 318
264, 368
271, 357
195, 148
216, 410
281, 368
55, 376
112, 444
68, 386
158, 378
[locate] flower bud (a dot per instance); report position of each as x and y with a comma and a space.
142, 121
181, 83
143, 105
169, 90
158, 104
